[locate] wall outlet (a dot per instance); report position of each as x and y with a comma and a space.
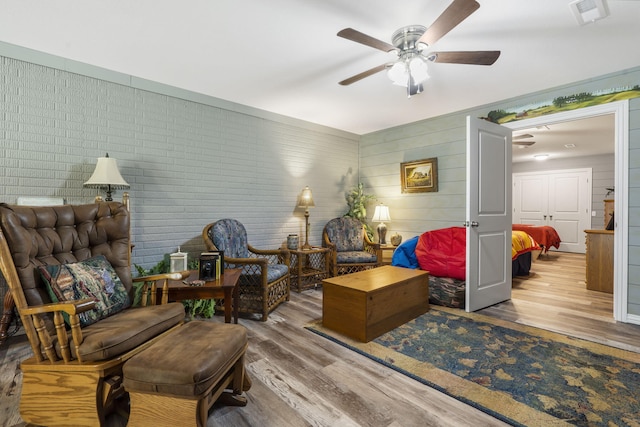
593, 213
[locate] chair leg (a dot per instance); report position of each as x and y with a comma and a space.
237, 386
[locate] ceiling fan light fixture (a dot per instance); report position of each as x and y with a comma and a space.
418, 69
398, 74
403, 70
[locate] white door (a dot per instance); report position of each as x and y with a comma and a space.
559, 198
488, 219
570, 208
530, 199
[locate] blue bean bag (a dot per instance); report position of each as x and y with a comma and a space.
405, 254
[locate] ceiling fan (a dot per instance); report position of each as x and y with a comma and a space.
519, 140
411, 43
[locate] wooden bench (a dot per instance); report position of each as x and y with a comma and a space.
177, 380
366, 304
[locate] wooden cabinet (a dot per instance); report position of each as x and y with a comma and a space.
608, 210
599, 260
387, 254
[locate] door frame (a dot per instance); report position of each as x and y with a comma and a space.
620, 110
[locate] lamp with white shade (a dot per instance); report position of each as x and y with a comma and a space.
381, 214
107, 176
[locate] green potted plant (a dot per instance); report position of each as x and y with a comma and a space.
194, 307
357, 202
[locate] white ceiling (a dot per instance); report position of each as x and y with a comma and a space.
584, 137
283, 56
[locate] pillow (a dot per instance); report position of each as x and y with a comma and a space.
405, 254
92, 278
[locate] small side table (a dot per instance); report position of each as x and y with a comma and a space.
226, 287
309, 267
387, 254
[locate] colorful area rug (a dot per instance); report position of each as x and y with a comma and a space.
519, 374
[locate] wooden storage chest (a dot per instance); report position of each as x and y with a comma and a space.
366, 304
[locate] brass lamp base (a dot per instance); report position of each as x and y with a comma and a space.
306, 246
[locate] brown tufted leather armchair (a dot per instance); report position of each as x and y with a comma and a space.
75, 374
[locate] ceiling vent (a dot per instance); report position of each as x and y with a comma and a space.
587, 11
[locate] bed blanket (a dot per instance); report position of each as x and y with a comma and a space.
544, 235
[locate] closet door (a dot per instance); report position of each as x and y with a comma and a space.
569, 207
560, 199
530, 199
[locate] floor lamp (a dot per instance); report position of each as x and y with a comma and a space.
306, 202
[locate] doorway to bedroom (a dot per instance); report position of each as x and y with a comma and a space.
619, 112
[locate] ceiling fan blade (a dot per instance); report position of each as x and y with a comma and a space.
457, 12
358, 37
362, 75
523, 136
480, 57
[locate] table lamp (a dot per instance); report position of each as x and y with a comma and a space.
381, 215
306, 202
107, 176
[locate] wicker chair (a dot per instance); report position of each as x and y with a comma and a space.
265, 281
351, 248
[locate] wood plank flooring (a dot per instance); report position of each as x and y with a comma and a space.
554, 297
302, 379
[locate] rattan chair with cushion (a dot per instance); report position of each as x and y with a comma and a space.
351, 248
265, 281
69, 272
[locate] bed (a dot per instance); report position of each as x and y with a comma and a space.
442, 252
546, 236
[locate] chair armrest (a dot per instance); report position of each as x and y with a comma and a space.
327, 243
373, 248
69, 307
256, 251
367, 239
150, 285
275, 256
72, 308
178, 275
262, 262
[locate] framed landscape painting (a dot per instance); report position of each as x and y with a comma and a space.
419, 176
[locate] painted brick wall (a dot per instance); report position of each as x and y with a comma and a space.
188, 163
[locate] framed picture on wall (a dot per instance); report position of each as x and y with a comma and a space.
419, 176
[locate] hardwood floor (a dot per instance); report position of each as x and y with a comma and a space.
302, 379
554, 297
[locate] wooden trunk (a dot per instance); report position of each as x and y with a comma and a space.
366, 304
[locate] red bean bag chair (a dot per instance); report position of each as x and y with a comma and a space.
442, 252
